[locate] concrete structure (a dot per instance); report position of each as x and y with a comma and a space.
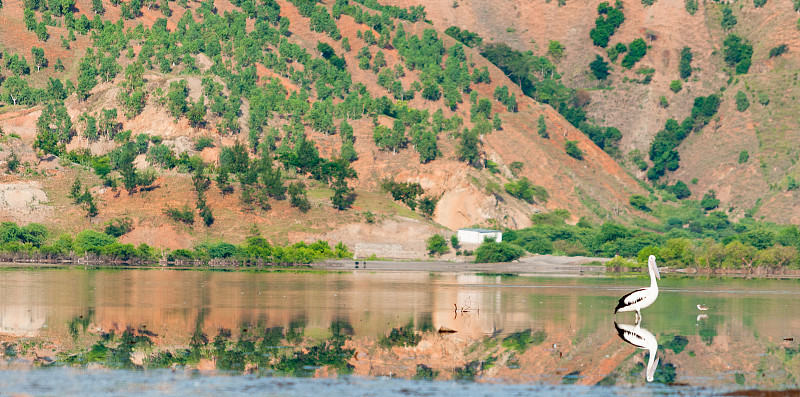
476, 236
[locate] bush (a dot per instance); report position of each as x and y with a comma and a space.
640, 202
728, 19
709, 201
573, 150
741, 101
606, 25
92, 241
691, 6
185, 215
523, 189
599, 68
685, 64
675, 86
737, 53
119, 226
743, 156
636, 50
203, 142
492, 252
778, 51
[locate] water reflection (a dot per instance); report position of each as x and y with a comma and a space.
505, 329
643, 339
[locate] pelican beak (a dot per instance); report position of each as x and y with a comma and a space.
652, 262
651, 371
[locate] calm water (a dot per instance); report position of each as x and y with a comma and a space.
515, 335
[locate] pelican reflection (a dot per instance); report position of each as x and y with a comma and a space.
643, 339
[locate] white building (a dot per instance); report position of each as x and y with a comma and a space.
477, 236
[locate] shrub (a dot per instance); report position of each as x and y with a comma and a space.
92, 241
607, 23
185, 215
203, 142
636, 50
573, 150
599, 68
763, 99
743, 156
638, 201
691, 6
685, 64
741, 101
675, 86
680, 190
709, 201
523, 189
728, 19
778, 51
492, 252
737, 53
119, 226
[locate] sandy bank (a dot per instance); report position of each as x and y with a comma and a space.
540, 264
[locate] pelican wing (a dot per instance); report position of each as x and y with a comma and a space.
626, 333
631, 298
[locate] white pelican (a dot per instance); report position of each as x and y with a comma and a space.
643, 297
642, 339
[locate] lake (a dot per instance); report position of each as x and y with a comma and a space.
79, 331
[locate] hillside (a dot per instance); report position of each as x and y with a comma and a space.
146, 94
764, 184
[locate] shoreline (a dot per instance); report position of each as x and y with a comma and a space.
539, 265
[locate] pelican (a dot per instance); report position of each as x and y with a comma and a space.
643, 297
642, 339
702, 307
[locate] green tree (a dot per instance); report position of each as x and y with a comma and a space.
41, 31
685, 64
709, 201
197, 112
97, 7
436, 245
737, 53
675, 86
54, 129
636, 50
555, 50
469, 148
427, 147
38, 58
542, 127
599, 68
728, 19
297, 196
176, 98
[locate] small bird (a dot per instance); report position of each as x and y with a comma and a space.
702, 307
643, 297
